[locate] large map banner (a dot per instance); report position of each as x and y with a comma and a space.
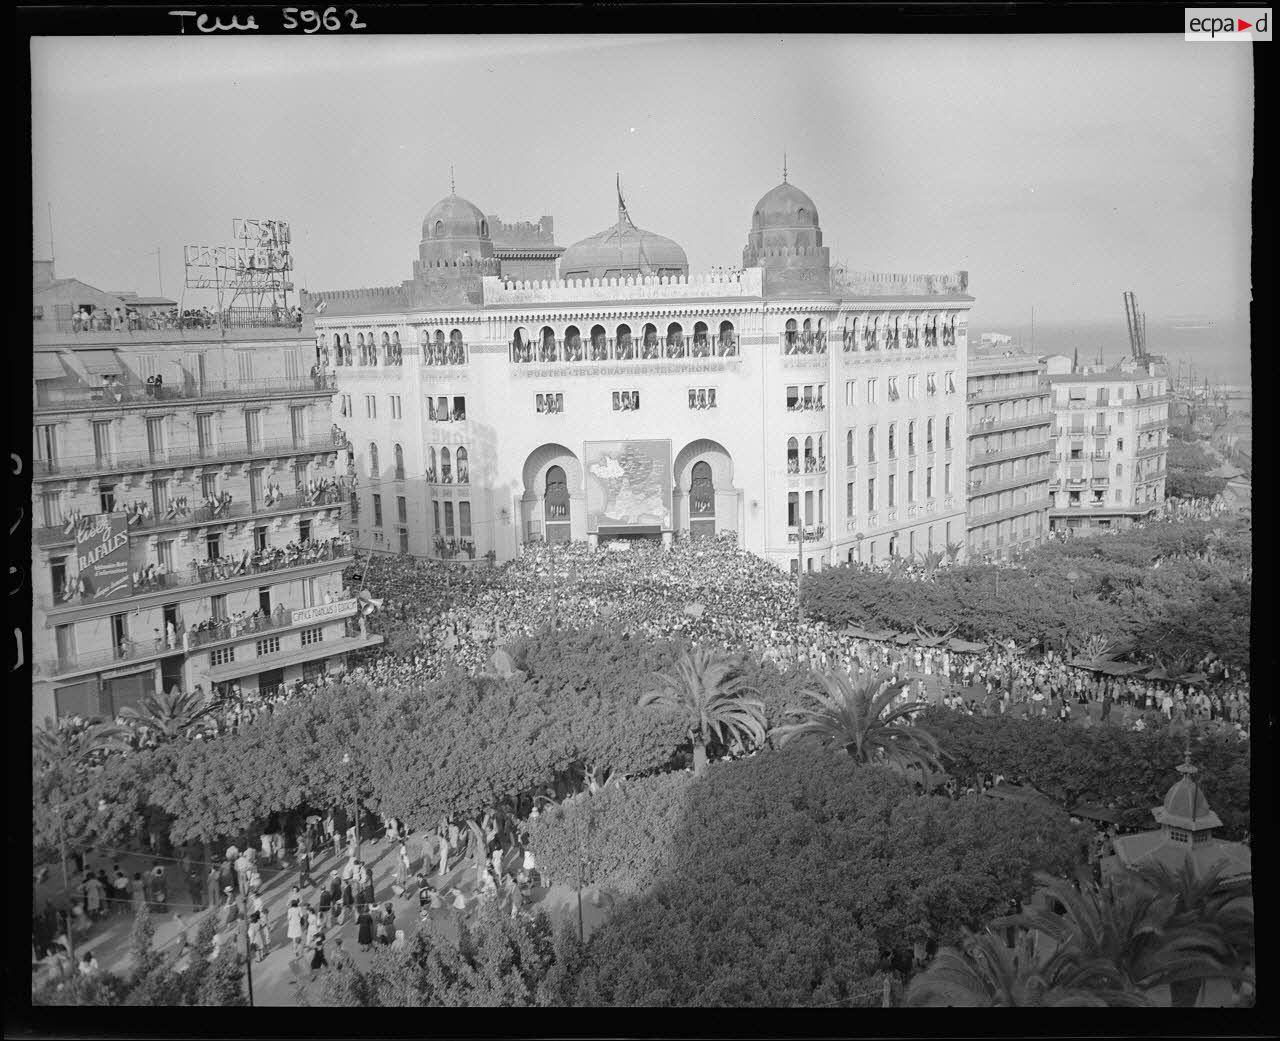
628, 484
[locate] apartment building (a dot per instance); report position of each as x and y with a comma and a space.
1110, 444
1009, 461
185, 516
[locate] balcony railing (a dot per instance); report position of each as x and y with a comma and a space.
386, 356
984, 487
447, 476
114, 462
455, 352
812, 465
1154, 424
991, 426
802, 342
130, 393
172, 320
633, 348
1009, 512
200, 516
1151, 451
992, 455
806, 406
200, 573
1007, 393
811, 534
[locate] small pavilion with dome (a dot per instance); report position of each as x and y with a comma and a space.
1187, 826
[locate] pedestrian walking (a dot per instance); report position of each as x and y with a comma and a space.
340, 959
317, 958
364, 928
293, 930
386, 925
138, 891
348, 901
257, 936
159, 887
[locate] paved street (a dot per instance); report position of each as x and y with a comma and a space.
275, 978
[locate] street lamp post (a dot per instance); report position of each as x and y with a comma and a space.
66, 889
355, 808
577, 838
244, 931
1073, 576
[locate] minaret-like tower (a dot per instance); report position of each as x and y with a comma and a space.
786, 240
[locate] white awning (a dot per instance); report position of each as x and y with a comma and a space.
100, 363
47, 366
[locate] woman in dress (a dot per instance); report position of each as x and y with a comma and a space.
257, 936
294, 930
387, 925
364, 928
348, 901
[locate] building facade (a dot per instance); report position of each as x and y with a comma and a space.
815, 413
183, 482
1009, 461
1110, 445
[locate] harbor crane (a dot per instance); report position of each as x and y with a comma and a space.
1137, 322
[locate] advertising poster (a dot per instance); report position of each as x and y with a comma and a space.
102, 553
628, 485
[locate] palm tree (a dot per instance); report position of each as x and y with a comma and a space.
168, 716
987, 974
860, 716
1203, 901
932, 560
52, 744
702, 687
953, 551
1128, 929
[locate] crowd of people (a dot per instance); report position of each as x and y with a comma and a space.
705, 591
131, 319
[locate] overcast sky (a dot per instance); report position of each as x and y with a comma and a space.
1059, 171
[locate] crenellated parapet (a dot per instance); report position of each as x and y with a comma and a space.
869, 283
746, 283
522, 234
369, 300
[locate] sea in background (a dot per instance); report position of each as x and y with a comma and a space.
1219, 349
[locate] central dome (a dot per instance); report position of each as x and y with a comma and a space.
623, 250
785, 206
457, 218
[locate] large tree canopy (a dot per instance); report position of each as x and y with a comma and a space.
1119, 592
789, 874
1128, 770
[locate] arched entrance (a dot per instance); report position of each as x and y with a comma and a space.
551, 507
702, 501
705, 501
555, 505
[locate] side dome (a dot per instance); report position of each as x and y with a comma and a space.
623, 251
457, 218
1185, 805
785, 206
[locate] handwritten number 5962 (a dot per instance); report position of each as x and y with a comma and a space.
327, 20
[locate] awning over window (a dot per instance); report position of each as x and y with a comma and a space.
47, 366
100, 363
